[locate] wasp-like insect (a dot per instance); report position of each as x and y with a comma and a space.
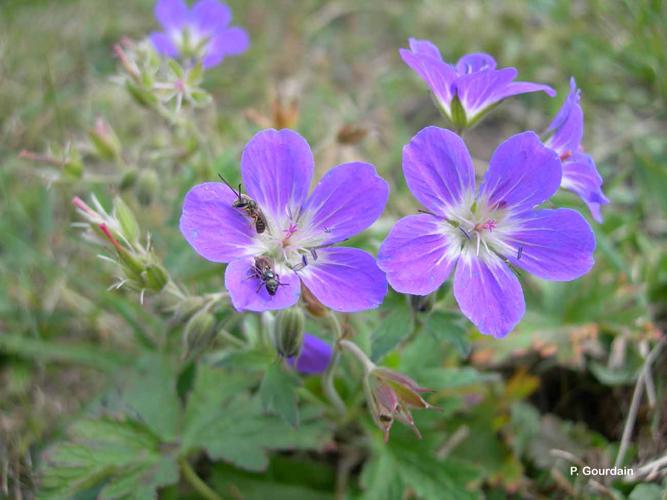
263, 271
248, 206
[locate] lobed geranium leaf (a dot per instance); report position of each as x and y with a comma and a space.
224, 420
448, 327
405, 464
278, 393
395, 327
254, 486
121, 456
148, 392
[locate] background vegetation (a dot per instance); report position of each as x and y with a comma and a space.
71, 351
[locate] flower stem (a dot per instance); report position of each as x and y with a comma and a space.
196, 482
328, 378
354, 349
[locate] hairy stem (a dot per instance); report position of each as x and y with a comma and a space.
354, 349
328, 378
196, 482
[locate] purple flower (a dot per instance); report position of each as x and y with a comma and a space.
481, 234
467, 90
314, 357
277, 168
579, 172
201, 33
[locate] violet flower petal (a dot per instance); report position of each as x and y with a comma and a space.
249, 294
163, 44
438, 169
347, 200
345, 279
489, 295
522, 173
210, 16
171, 14
437, 74
565, 110
477, 91
516, 88
230, 42
277, 167
425, 47
216, 230
472, 63
581, 176
416, 255
314, 357
567, 138
556, 245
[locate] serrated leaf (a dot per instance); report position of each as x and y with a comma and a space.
123, 456
395, 327
149, 392
253, 486
278, 393
407, 464
224, 420
448, 327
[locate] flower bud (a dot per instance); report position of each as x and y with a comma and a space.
199, 333
147, 186
288, 331
105, 140
73, 165
155, 277
126, 219
142, 96
128, 178
390, 395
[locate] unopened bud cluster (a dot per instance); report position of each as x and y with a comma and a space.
139, 267
154, 83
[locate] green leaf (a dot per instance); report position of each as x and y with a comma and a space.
222, 419
448, 327
647, 492
278, 393
253, 486
78, 353
395, 327
124, 457
149, 391
408, 464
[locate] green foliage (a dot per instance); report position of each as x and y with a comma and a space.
97, 396
122, 455
278, 392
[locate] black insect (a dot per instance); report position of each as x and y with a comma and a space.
519, 253
263, 271
248, 206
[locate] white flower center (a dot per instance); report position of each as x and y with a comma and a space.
291, 241
478, 228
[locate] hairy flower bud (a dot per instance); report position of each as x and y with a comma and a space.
73, 164
147, 186
288, 331
105, 140
390, 395
155, 277
126, 219
198, 334
128, 178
